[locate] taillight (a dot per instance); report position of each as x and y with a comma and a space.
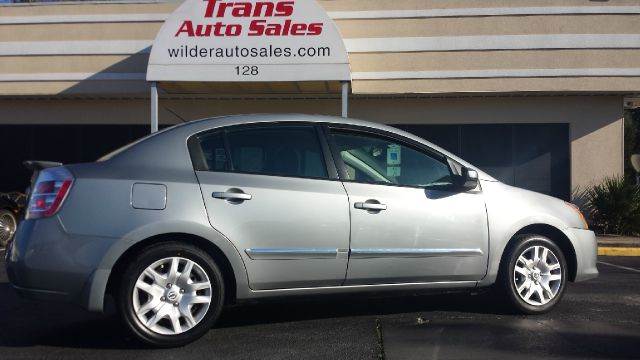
48, 193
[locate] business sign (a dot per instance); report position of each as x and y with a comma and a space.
225, 40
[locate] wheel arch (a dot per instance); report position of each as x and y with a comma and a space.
554, 234
209, 247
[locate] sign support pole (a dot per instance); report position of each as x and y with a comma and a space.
345, 99
154, 107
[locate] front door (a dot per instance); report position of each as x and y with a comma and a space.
400, 230
267, 188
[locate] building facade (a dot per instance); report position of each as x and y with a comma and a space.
530, 91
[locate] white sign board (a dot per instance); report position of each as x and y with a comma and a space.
268, 40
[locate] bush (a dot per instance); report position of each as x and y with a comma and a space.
613, 206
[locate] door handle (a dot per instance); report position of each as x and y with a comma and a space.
371, 206
229, 195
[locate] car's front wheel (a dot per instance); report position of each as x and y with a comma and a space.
171, 294
533, 274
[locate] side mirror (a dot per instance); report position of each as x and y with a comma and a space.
468, 179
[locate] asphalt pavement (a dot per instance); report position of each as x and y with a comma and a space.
597, 319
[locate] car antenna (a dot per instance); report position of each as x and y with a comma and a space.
175, 114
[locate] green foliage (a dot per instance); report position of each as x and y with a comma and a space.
613, 206
631, 140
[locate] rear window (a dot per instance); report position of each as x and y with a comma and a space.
281, 150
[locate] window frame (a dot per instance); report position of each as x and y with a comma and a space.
193, 144
383, 135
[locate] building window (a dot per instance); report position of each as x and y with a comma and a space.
530, 156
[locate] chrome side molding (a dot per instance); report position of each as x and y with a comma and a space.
292, 253
373, 287
411, 253
323, 253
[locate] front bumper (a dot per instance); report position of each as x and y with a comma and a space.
586, 248
46, 263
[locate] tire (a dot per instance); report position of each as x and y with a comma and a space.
8, 225
149, 301
534, 288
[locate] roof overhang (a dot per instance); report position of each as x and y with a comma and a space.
248, 41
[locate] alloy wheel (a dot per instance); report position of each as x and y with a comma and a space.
172, 295
537, 275
7, 227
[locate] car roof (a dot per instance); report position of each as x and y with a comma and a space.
230, 120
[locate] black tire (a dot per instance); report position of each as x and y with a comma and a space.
148, 256
9, 229
506, 283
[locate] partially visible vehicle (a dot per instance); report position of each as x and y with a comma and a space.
11, 211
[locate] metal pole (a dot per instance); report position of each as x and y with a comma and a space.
154, 107
345, 99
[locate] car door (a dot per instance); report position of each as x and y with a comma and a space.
268, 189
406, 225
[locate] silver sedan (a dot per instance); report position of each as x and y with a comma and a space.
200, 215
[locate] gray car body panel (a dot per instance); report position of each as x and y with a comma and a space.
303, 219
71, 255
511, 209
417, 225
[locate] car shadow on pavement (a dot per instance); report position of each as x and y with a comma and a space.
26, 323
335, 306
420, 323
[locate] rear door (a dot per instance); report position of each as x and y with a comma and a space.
270, 189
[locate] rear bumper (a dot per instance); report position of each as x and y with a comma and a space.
586, 247
41, 295
45, 263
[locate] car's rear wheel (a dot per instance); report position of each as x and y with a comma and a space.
8, 225
533, 274
171, 295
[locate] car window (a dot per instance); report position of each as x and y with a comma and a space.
373, 159
283, 150
213, 150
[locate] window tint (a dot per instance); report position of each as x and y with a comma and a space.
378, 160
281, 150
215, 155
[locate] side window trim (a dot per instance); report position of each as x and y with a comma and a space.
196, 154
335, 152
227, 149
329, 158
423, 149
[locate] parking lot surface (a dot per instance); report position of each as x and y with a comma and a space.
597, 319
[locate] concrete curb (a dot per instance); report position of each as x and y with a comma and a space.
618, 251
612, 245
